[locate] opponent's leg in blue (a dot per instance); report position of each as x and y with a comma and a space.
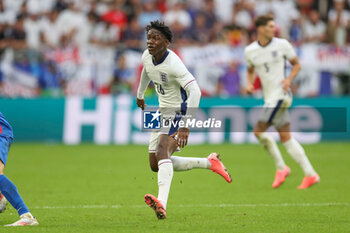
7, 188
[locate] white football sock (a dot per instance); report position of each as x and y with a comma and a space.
165, 175
270, 145
298, 154
187, 163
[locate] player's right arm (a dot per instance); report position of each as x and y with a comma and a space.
250, 73
290, 54
250, 79
144, 82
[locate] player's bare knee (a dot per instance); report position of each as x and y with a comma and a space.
284, 136
284, 133
257, 133
162, 152
162, 148
258, 129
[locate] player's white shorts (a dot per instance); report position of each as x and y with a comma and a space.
275, 112
168, 115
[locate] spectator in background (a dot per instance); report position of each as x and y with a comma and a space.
32, 29
23, 11
17, 35
321, 6
162, 5
229, 84
50, 80
177, 13
123, 77
224, 9
6, 16
314, 29
150, 13
208, 11
211, 21
305, 6
338, 22
182, 36
40, 6
235, 36
61, 5
104, 33
295, 31
283, 10
133, 35
73, 23
97, 6
50, 32
200, 33
242, 16
3, 39
103, 39
116, 15
132, 9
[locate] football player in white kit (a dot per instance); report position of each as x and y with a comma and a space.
267, 57
177, 91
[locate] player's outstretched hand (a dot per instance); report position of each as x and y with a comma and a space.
141, 103
182, 137
286, 84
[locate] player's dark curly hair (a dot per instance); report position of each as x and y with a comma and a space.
160, 26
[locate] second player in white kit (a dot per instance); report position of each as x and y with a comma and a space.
267, 56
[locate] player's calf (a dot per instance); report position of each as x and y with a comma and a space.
153, 163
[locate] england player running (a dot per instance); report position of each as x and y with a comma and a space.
177, 90
8, 190
267, 57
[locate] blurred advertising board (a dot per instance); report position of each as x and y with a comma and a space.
117, 120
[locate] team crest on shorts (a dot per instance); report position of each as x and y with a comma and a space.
164, 77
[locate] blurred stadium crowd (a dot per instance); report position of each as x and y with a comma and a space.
92, 47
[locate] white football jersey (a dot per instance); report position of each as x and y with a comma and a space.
269, 62
170, 77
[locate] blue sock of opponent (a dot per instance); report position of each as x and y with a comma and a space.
9, 190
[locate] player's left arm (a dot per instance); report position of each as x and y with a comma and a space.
290, 54
293, 73
189, 84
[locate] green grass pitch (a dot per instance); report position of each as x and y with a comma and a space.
90, 188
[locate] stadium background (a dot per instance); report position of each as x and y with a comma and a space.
53, 52
69, 71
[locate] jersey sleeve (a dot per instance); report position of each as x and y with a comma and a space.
189, 84
288, 50
181, 74
247, 59
144, 82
